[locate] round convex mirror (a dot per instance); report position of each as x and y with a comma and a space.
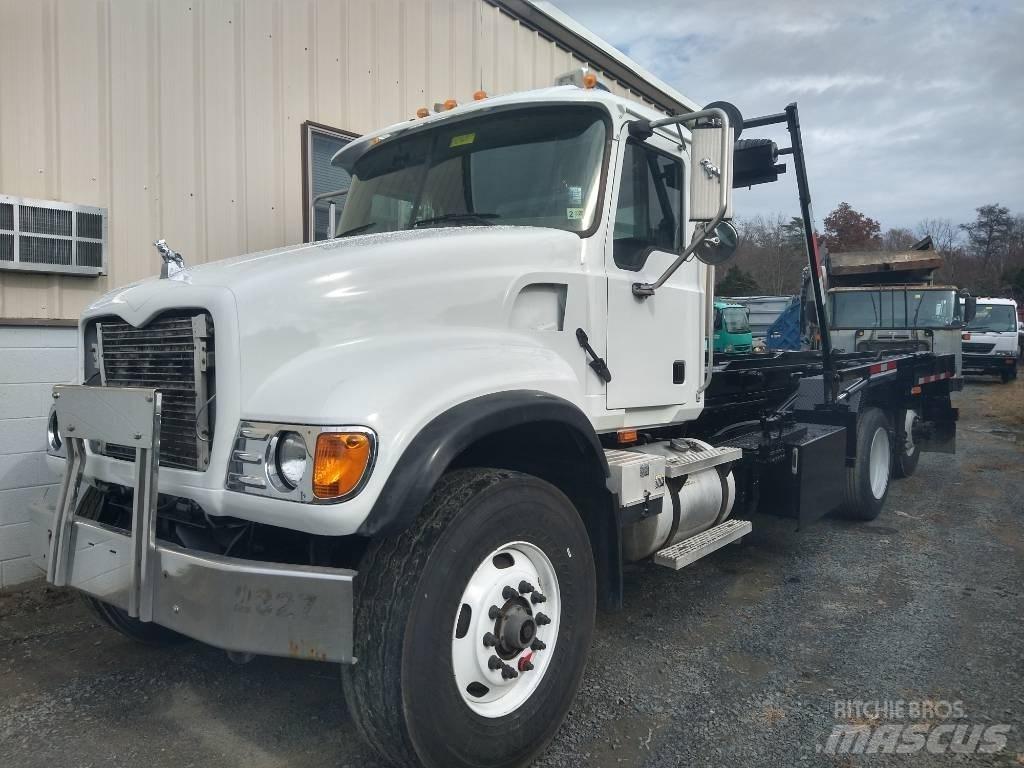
719, 247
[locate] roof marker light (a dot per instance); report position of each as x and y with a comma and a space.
422, 112
450, 104
479, 95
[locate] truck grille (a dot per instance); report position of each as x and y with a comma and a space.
173, 354
977, 347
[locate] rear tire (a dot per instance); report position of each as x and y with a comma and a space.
413, 643
904, 462
867, 482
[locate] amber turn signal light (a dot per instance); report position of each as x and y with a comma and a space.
339, 463
627, 436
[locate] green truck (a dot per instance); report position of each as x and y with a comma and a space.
732, 328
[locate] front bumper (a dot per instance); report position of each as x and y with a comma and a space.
240, 605
988, 363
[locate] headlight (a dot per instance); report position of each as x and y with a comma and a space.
301, 462
288, 459
53, 437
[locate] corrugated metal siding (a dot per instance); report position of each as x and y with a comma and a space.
183, 116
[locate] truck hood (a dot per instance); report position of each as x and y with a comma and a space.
307, 307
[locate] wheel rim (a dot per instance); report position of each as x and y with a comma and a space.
878, 462
908, 431
506, 626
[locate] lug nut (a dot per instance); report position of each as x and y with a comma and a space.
542, 619
493, 612
525, 587
538, 645
508, 593
508, 672
490, 640
525, 665
537, 597
495, 663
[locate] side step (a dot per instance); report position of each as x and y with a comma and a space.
694, 548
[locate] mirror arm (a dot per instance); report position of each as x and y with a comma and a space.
644, 129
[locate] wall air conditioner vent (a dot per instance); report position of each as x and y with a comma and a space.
48, 236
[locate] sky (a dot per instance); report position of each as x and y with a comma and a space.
910, 110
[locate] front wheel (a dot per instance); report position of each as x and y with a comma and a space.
473, 626
867, 481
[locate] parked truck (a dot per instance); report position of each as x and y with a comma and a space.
426, 447
991, 341
888, 301
732, 328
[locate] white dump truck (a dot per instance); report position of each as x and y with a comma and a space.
425, 447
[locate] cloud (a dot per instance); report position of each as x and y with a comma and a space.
910, 108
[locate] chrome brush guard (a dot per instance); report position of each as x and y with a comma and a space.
232, 603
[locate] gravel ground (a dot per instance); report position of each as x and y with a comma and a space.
738, 660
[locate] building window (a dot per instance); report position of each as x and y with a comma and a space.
649, 208
322, 183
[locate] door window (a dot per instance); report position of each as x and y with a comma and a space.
649, 207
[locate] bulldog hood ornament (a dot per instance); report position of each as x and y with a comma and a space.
174, 262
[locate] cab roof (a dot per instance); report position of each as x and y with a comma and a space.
616, 106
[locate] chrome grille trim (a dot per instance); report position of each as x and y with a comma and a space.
173, 353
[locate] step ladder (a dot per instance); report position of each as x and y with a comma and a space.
694, 548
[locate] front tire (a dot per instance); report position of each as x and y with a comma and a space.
438, 602
867, 482
144, 632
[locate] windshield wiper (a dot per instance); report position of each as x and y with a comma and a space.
483, 218
357, 230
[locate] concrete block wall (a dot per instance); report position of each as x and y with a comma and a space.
32, 360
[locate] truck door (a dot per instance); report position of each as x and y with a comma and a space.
654, 345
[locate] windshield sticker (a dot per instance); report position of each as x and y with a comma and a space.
462, 140
573, 214
575, 195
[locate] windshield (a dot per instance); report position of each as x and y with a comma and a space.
734, 320
994, 317
539, 167
902, 308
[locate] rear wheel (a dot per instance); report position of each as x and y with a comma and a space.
867, 482
472, 627
907, 454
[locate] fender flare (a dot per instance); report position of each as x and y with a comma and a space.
434, 448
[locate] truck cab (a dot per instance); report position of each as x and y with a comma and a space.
897, 318
991, 341
888, 302
732, 328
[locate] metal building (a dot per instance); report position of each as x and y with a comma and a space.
209, 123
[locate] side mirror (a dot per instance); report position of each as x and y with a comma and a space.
719, 247
710, 173
970, 308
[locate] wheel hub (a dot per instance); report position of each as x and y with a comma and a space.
506, 628
515, 627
